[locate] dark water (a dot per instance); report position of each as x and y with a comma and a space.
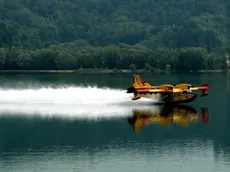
87, 123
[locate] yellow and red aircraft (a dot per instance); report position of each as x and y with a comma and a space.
180, 93
179, 114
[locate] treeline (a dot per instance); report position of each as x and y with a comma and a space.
79, 55
115, 34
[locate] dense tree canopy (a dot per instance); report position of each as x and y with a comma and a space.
73, 34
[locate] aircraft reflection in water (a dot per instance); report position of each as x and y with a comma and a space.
169, 114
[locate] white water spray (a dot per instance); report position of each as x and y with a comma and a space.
69, 95
74, 102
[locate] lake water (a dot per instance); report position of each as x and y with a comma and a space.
87, 122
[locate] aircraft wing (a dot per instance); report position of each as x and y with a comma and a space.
151, 90
203, 88
177, 90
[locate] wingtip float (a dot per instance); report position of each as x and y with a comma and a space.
180, 93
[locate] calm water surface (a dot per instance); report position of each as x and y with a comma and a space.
86, 122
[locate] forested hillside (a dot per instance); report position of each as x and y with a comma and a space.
122, 34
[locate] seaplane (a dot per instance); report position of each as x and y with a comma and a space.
166, 93
169, 115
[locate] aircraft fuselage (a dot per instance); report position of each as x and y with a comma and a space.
168, 98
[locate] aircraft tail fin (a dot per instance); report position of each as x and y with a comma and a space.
138, 82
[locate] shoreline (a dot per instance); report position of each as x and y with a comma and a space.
107, 71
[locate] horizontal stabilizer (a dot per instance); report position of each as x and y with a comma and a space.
131, 90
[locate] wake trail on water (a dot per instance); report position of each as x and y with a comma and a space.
66, 95
77, 102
